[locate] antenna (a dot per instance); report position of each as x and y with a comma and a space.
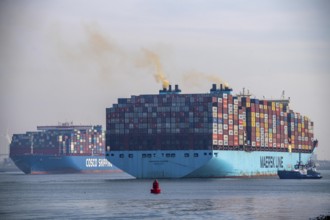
283, 94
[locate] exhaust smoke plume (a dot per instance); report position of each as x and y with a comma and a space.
195, 78
96, 50
151, 59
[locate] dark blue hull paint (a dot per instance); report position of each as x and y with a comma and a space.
293, 174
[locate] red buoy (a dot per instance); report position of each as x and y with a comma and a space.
155, 188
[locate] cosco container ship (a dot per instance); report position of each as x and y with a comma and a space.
215, 134
65, 148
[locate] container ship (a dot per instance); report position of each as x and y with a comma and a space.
65, 148
214, 134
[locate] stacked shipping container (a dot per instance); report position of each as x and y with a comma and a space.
217, 120
231, 121
160, 122
60, 140
266, 123
300, 131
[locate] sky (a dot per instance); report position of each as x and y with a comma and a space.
70, 60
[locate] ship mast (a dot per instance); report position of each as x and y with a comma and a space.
244, 94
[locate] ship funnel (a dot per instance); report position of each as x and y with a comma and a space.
222, 89
169, 90
177, 90
214, 88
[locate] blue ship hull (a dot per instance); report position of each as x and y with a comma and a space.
203, 163
51, 164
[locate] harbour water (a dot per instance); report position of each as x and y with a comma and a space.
119, 196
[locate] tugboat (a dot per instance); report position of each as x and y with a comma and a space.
300, 171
